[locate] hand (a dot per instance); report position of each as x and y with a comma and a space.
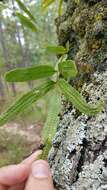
28, 175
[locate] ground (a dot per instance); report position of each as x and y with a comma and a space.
17, 142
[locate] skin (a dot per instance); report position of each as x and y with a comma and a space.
28, 175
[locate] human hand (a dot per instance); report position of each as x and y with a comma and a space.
28, 175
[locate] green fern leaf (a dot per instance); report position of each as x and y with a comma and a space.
25, 101
46, 3
56, 49
51, 123
46, 150
25, 9
52, 117
60, 7
26, 22
77, 100
68, 69
30, 73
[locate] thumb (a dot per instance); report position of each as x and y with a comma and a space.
40, 177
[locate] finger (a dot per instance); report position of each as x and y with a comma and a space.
15, 174
40, 177
27, 161
32, 158
17, 187
2, 187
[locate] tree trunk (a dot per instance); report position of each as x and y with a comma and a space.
5, 55
79, 154
2, 93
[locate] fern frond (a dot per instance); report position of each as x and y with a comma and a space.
60, 7
26, 21
46, 3
77, 99
46, 149
51, 123
29, 73
25, 101
25, 9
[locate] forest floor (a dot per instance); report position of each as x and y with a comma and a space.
17, 142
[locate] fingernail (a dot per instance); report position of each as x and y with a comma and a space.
40, 169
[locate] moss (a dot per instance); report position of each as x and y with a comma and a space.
85, 28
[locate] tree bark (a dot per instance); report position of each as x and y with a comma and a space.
78, 157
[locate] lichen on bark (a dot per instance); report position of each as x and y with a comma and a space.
84, 26
79, 154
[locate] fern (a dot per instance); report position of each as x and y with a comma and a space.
46, 3
30, 73
25, 9
68, 69
77, 100
63, 68
25, 101
29, 20
46, 149
60, 7
26, 22
51, 123
56, 49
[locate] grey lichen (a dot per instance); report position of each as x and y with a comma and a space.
79, 154
92, 176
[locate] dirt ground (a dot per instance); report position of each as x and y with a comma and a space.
17, 142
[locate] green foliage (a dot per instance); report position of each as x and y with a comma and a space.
30, 73
46, 149
68, 69
51, 123
25, 9
26, 22
56, 49
63, 68
46, 3
54, 108
77, 100
25, 101
60, 7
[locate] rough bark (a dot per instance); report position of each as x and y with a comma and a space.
79, 154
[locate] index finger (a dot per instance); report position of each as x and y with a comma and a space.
14, 174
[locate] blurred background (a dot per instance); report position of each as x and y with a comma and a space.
20, 47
